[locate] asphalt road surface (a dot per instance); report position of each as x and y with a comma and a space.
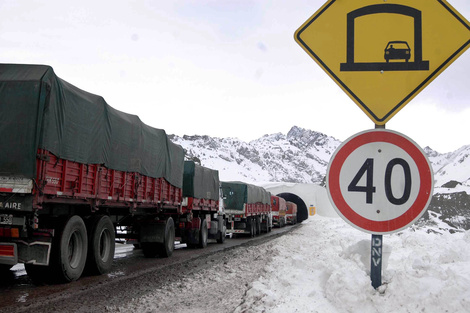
132, 275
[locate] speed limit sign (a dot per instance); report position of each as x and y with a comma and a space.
379, 181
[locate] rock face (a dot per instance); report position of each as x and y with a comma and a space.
452, 209
302, 156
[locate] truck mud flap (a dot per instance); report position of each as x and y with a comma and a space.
36, 252
191, 236
152, 233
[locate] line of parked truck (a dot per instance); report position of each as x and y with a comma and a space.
74, 171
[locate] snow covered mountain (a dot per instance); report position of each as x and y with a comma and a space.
451, 170
302, 156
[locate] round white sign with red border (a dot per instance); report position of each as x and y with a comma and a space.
380, 181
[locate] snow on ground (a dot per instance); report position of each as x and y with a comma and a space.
326, 269
323, 266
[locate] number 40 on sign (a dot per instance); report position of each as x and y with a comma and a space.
379, 181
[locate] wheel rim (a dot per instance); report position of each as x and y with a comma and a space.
75, 247
104, 245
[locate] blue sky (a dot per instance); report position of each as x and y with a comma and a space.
225, 68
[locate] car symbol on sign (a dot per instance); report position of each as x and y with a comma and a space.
397, 50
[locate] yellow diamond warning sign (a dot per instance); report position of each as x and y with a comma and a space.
383, 53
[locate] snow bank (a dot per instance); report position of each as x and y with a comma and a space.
324, 267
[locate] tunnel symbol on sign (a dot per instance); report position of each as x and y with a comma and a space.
397, 50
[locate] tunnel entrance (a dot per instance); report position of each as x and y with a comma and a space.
302, 211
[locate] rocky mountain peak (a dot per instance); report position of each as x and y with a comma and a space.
301, 155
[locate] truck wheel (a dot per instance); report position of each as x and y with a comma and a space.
258, 226
255, 224
166, 248
203, 234
222, 234
101, 245
251, 224
68, 260
68, 253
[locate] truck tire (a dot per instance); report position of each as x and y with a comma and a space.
251, 225
203, 234
71, 250
166, 248
68, 253
101, 245
221, 235
266, 227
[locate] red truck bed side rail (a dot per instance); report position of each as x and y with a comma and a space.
257, 208
62, 181
200, 205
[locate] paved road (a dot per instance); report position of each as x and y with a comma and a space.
131, 275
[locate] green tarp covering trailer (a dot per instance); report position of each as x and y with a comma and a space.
237, 194
40, 110
200, 182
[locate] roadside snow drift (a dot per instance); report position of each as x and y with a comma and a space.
323, 266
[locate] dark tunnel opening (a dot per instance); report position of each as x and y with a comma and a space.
302, 211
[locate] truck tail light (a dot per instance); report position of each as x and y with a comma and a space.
15, 233
9, 232
7, 250
35, 222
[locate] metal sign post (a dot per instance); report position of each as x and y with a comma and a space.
376, 252
376, 261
